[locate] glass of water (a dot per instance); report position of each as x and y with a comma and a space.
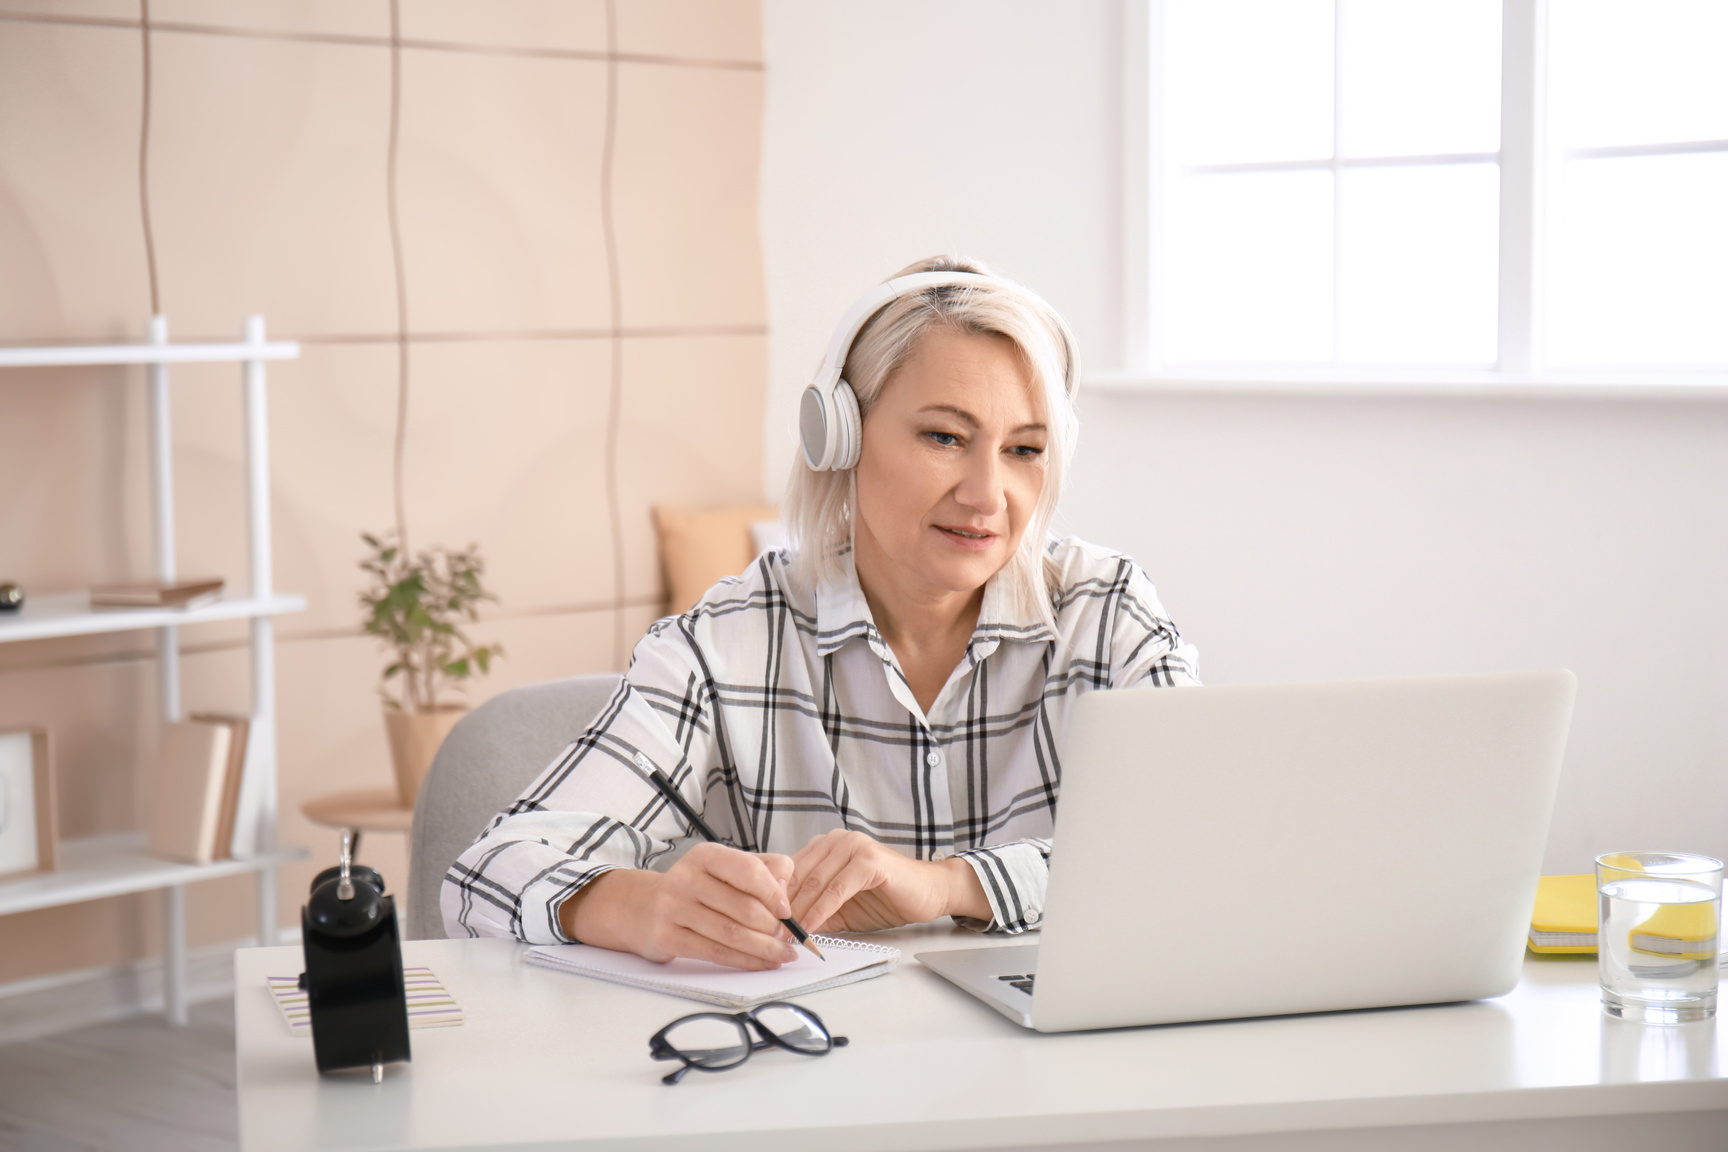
1656, 940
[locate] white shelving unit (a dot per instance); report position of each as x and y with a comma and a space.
103, 866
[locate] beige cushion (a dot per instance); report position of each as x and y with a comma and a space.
699, 546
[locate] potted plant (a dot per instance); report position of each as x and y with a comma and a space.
417, 607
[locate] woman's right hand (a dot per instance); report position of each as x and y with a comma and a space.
716, 903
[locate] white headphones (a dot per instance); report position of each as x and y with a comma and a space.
829, 426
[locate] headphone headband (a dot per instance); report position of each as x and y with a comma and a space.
829, 426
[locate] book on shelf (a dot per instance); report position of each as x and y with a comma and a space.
183, 802
239, 728
193, 792
251, 795
154, 594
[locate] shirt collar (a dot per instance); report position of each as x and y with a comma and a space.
842, 615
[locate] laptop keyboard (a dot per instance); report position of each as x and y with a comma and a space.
1024, 983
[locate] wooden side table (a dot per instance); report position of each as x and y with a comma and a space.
362, 810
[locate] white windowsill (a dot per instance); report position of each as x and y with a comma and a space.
1656, 384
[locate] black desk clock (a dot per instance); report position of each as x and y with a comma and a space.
353, 977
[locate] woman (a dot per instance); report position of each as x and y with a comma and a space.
873, 717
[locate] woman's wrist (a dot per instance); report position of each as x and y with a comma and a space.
599, 912
965, 892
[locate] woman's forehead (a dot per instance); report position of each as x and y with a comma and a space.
982, 374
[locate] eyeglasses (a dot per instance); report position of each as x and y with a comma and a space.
716, 1041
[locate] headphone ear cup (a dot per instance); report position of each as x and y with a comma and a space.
815, 429
848, 428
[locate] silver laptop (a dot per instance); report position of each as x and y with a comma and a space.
1268, 849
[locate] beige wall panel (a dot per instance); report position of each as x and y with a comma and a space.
216, 681
75, 509
332, 431
499, 192
327, 17
74, 9
71, 237
209, 476
546, 647
99, 717
330, 739
689, 147
332, 435
691, 435
267, 184
691, 29
558, 25
507, 451
115, 931
76, 936
222, 911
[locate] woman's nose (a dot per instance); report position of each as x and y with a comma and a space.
981, 488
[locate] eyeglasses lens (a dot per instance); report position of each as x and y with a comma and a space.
794, 1028
710, 1041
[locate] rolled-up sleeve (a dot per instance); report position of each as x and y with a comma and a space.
592, 809
1014, 877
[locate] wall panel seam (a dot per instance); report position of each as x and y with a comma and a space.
670, 332
615, 300
653, 333
353, 40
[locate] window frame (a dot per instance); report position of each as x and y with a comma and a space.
1525, 157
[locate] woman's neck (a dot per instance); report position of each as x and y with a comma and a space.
928, 627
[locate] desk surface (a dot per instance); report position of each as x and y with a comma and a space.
548, 1059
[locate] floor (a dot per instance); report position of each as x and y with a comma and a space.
135, 1084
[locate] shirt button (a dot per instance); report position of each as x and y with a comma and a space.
932, 758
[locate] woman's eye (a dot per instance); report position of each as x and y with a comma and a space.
945, 439
1026, 451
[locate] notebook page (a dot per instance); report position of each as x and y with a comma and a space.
844, 958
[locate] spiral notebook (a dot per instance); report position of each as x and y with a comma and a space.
848, 962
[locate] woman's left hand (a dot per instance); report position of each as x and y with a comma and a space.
845, 881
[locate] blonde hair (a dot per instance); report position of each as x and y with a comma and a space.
820, 505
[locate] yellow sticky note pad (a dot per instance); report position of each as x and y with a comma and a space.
1679, 932
1564, 919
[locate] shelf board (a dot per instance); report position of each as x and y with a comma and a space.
97, 867
70, 614
56, 356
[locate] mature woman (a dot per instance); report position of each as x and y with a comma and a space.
874, 717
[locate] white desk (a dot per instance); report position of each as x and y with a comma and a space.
549, 1060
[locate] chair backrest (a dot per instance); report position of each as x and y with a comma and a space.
486, 762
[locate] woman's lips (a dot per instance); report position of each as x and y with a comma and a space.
970, 539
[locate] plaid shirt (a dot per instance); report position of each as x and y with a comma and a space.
781, 715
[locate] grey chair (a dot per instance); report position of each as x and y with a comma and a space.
484, 764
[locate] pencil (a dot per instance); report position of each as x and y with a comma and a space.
670, 791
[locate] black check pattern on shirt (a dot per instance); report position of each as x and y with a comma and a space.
780, 714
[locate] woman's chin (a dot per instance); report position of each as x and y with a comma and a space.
964, 571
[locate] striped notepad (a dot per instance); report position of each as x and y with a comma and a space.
429, 1005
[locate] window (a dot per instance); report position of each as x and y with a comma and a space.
1367, 187
1638, 241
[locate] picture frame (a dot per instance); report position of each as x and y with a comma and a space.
28, 827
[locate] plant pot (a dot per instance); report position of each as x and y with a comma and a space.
414, 741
